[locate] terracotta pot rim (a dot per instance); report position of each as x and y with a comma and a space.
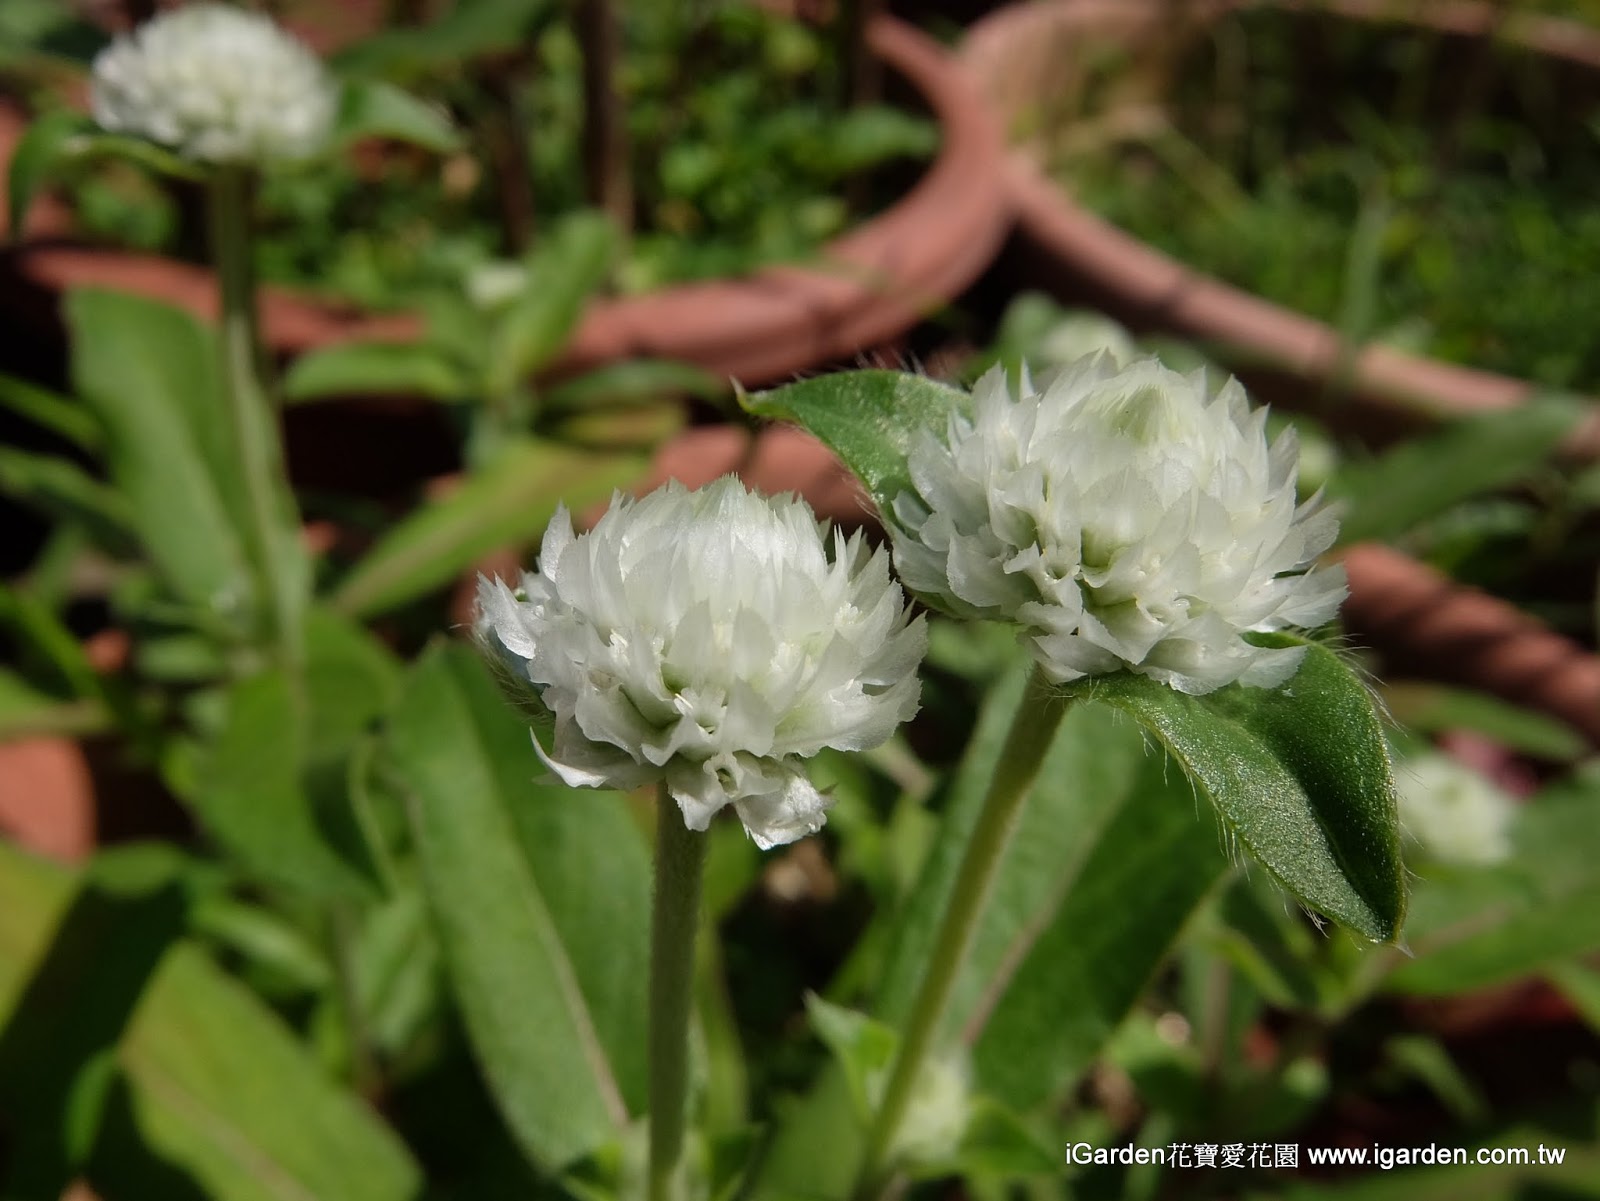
1452, 633
868, 286
1156, 290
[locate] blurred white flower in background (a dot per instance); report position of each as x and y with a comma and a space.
1081, 333
940, 1110
1123, 518
1453, 813
217, 85
710, 640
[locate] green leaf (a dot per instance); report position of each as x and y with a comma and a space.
566, 268
350, 680
370, 108
817, 1143
1422, 477
509, 501
1088, 774
270, 945
61, 489
60, 415
540, 896
1580, 985
1435, 709
376, 369
44, 145
1427, 1060
999, 1143
215, 1097
26, 712
50, 645
1146, 872
150, 373
218, 1089
1300, 775
637, 382
98, 144
252, 795
863, 1047
641, 427
464, 32
67, 1021
868, 418
1474, 928
862, 138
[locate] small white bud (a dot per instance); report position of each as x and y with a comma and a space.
1453, 813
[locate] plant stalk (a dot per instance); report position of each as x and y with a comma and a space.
1033, 729
607, 178
680, 863
270, 532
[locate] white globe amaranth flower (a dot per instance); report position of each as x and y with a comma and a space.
1125, 519
217, 85
710, 640
1453, 813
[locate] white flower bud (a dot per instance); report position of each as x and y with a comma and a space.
940, 1110
1453, 813
710, 640
1082, 333
1125, 520
217, 85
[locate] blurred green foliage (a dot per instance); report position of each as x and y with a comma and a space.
1433, 193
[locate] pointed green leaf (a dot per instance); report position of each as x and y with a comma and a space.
635, 382
1422, 477
150, 374
213, 1096
566, 268
509, 501
1146, 873
376, 369
1300, 775
25, 711
370, 108
62, 490
540, 896
868, 418
43, 147
254, 796
55, 1046
862, 1046
60, 415
1086, 777
350, 679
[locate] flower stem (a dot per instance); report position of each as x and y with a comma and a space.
1033, 729
680, 860
269, 530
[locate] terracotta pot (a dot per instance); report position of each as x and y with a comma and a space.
1428, 626
868, 286
47, 797
1025, 54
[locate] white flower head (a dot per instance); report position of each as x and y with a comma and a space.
1453, 813
1125, 519
217, 85
710, 640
